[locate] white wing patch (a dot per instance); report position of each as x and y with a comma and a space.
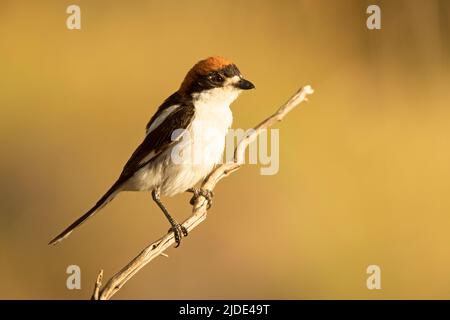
162, 117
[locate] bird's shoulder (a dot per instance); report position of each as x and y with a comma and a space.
174, 101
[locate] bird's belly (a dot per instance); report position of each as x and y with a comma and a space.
183, 165
200, 149
192, 158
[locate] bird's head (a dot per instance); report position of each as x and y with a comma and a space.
215, 78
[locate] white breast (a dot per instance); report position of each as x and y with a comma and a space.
208, 131
201, 148
206, 143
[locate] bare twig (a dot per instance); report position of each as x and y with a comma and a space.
98, 284
199, 211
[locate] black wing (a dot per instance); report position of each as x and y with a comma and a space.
159, 139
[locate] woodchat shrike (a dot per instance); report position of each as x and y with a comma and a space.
184, 140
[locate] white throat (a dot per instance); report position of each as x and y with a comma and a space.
213, 107
216, 97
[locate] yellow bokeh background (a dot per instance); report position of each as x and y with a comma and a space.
364, 165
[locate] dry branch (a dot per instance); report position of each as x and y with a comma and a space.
200, 206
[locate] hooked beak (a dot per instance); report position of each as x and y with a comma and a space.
244, 84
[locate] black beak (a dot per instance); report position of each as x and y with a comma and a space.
245, 84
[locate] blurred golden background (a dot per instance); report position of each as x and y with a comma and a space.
364, 166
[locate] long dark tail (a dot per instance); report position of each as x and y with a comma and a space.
107, 197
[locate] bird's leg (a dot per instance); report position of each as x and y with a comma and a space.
208, 194
177, 228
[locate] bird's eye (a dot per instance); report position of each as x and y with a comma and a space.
215, 77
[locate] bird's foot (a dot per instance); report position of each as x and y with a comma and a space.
208, 194
179, 232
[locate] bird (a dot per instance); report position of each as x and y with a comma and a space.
184, 141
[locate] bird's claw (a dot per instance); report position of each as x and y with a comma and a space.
179, 232
208, 194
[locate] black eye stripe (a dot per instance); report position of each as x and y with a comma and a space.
215, 77
205, 82
230, 71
